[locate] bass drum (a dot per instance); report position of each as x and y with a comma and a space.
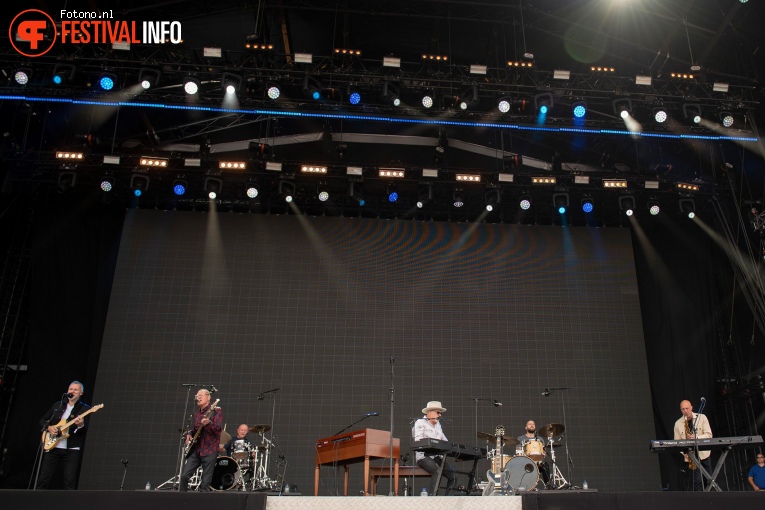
226, 475
522, 473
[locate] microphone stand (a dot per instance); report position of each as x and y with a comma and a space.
124, 463
390, 446
175, 481
40, 451
352, 424
696, 443
569, 461
261, 396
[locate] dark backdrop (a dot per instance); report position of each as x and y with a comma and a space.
318, 306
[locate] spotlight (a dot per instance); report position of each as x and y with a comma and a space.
63, 73
653, 207
323, 193
587, 205
427, 99
287, 190
231, 83
252, 189
213, 186
660, 114
354, 96
543, 102
469, 97
180, 186
390, 93
66, 180
273, 91
687, 206
458, 198
525, 203
622, 107
139, 183
727, 119
627, 204
356, 191
692, 111
504, 105
107, 183
148, 77
22, 76
392, 194
191, 85
579, 109
107, 81
425, 195
492, 198
560, 201
311, 88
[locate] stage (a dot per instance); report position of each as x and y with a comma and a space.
558, 500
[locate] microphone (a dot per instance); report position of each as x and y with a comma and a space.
703, 400
546, 393
213, 389
261, 396
373, 413
124, 462
497, 403
69, 395
392, 360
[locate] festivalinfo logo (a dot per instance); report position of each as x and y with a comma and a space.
34, 32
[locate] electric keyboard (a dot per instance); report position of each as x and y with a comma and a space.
439, 447
712, 443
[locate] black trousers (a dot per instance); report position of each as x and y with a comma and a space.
67, 460
192, 463
697, 486
431, 465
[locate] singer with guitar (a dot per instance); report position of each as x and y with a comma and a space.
67, 450
202, 442
691, 426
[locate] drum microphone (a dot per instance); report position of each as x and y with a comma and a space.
373, 413
213, 389
497, 403
546, 393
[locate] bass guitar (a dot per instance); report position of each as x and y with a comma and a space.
49, 441
193, 441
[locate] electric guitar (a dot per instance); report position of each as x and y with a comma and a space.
193, 441
496, 478
49, 441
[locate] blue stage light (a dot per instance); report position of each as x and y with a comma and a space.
543, 109
179, 189
579, 111
316, 95
392, 196
587, 206
57, 79
106, 83
355, 98
562, 210
137, 192
362, 202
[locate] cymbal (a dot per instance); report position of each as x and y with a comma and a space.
506, 440
260, 429
552, 429
225, 437
261, 445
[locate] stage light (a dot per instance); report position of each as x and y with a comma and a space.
66, 180
213, 187
107, 81
687, 186
191, 85
22, 76
107, 183
323, 193
313, 169
390, 94
232, 165
152, 162
139, 183
356, 192
392, 194
579, 109
622, 107
614, 183
525, 203
287, 190
458, 198
469, 97
63, 73
492, 198
727, 119
427, 100
231, 83
653, 207
660, 114
69, 156
560, 201
148, 77
273, 91
180, 186
311, 88
425, 195
692, 111
627, 204
503, 105
543, 102
587, 205
543, 181
252, 189
687, 206
394, 173
468, 178
354, 98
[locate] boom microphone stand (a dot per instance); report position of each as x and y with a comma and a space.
175, 481
40, 451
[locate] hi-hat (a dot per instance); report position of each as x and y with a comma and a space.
552, 430
260, 429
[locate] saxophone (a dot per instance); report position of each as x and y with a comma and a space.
691, 465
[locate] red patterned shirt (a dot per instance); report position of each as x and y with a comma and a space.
209, 438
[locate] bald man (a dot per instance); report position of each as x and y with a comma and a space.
684, 429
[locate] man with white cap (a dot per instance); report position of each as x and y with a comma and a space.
429, 426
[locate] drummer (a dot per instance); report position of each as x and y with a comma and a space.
530, 435
538, 450
244, 445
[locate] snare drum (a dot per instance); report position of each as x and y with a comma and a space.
241, 451
535, 450
226, 474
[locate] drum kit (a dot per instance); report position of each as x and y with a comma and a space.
522, 472
247, 467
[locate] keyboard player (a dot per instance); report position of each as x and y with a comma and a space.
429, 426
691, 426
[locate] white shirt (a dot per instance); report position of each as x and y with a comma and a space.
67, 413
422, 429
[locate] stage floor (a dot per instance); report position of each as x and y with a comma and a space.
559, 500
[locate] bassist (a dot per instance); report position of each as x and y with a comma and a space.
67, 451
208, 424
